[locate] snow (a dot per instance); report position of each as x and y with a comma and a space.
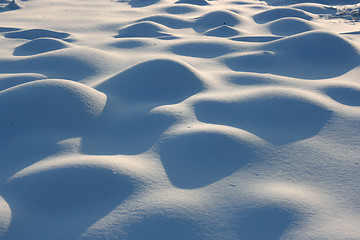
179, 119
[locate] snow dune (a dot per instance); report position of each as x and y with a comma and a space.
179, 119
309, 55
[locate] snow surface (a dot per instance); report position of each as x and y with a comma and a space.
179, 119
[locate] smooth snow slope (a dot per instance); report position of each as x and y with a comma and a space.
179, 119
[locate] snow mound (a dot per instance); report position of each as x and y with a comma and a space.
331, 54
277, 13
169, 21
49, 105
257, 61
36, 33
289, 26
76, 197
40, 45
128, 126
199, 158
216, 19
78, 63
315, 8
309, 55
145, 29
279, 117
155, 82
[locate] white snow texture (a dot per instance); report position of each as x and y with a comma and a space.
179, 119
